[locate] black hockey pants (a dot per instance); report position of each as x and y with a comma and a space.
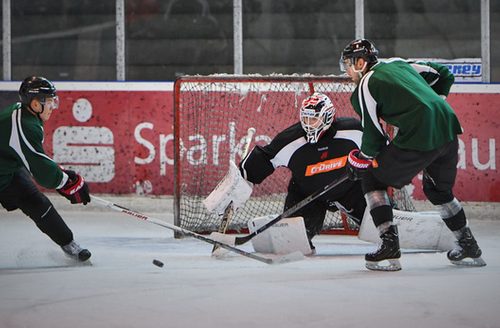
22, 194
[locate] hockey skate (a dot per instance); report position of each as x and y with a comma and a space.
388, 251
75, 252
467, 252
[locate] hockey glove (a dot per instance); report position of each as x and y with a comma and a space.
357, 165
76, 189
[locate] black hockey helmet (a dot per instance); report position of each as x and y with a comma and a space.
36, 87
361, 48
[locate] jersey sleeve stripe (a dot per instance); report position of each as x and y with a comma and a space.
26, 142
420, 68
14, 142
366, 98
353, 135
282, 158
242, 165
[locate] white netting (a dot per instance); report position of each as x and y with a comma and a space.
212, 115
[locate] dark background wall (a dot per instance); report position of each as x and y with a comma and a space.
75, 40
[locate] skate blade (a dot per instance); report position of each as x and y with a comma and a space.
77, 260
470, 262
393, 265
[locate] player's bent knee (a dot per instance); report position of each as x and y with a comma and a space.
36, 206
449, 209
377, 198
371, 183
436, 196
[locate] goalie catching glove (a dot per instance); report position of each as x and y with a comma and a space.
358, 163
76, 189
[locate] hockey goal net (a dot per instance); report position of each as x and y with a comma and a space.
212, 116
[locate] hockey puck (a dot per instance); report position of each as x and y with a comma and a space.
158, 263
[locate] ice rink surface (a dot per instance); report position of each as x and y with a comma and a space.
40, 287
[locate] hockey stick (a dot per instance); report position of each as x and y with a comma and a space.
293, 209
228, 212
277, 260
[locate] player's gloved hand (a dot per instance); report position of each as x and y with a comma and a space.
76, 189
357, 164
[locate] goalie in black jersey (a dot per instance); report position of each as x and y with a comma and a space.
22, 155
315, 151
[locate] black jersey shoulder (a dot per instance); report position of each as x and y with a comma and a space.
293, 132
347, 123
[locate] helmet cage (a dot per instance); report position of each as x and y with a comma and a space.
316, 116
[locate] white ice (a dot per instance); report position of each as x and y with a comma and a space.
40, 287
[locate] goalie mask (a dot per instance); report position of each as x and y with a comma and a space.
316, 116
361, 48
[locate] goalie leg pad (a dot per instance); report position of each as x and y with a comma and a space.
287, 236
417, 230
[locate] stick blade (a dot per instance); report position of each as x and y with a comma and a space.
242, 240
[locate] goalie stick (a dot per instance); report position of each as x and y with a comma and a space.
243, 239
228, 212
296, 256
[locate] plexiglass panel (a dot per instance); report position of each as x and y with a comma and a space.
164, 39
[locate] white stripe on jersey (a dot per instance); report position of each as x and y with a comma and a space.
15, 142
365, 96
424, 68
352, 135
394, 59
282, 158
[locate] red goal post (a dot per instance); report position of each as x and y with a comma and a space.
211, 117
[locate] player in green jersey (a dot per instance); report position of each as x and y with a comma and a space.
22, 155
409, 96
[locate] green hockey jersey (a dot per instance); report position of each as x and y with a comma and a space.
21, 138
395, 93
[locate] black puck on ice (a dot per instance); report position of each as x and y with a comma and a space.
158, 263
